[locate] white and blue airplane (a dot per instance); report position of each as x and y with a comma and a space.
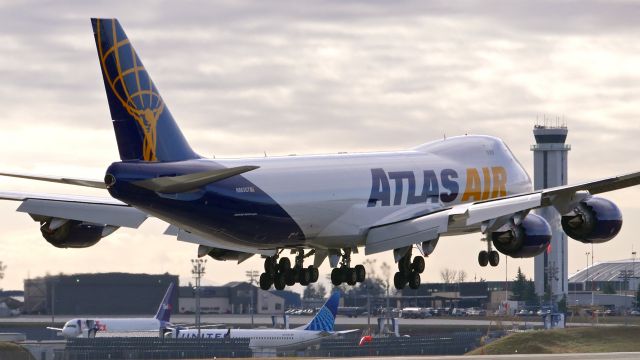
325, 206
89, 327
320, 327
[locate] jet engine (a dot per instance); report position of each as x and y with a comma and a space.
527, 239
63, 233
594, 220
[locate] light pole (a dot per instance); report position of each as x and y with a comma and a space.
587, 278
252, 275
197, 271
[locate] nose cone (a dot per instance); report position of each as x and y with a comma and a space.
69, 332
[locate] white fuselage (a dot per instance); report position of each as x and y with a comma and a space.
330, 196
81, 327
259, 338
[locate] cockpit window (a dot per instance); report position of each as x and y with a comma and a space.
71, 326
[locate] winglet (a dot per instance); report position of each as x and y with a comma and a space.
326, 317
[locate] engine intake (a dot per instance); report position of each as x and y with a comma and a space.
528, 239
595, 220
72, 233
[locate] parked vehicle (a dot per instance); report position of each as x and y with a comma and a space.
415, 313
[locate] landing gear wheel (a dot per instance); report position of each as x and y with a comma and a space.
399, 281
494, 258
304, 276
279, 281
350, 275
336, 276
361, 273
284, 265
270, 265
265, 281
418, 264
483, 258
314, 273
404, 265
414, 280
290, 277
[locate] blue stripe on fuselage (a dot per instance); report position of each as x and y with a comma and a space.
235, 206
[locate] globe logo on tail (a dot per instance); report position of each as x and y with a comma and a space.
130, 83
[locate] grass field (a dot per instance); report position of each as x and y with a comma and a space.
574, 340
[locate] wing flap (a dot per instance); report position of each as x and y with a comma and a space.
89, 212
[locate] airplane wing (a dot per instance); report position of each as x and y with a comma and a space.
491, 213
96, 210
54, 328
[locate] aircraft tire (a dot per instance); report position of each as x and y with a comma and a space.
336, 276
270, 265
350, 275
483, 258
399, 280
265, 281
284, 265
414, 280
494, 258
404, 265
279, 281
418, 264
290, 276
305, 277
314, 273
361, 273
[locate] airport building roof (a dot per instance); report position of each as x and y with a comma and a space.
607, 271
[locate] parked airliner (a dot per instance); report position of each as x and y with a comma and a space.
320, 327
325, 206
90, 327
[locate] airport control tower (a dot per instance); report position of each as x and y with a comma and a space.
549, 170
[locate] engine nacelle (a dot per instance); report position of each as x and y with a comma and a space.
594, 220
72, 234
527, 239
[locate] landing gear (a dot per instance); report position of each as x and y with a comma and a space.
345, 273
489, 256
280, 274
409, 271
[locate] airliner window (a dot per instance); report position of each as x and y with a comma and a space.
72, 326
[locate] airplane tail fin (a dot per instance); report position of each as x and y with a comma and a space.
144, 127
326, 317
164, 310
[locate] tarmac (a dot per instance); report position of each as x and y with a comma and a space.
599, 356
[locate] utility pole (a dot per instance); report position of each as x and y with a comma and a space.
587, 278
197, 271
252, 275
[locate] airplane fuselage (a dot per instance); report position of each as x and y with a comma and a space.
326, 200
259, 338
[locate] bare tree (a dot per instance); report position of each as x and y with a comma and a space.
448, 276
2, 268
462, 276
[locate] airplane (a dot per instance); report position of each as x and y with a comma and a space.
81, 327
320, 327
325, 206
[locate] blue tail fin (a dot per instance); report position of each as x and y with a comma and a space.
164, 310
326, 317
144, 127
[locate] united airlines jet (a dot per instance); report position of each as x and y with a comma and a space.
90, 327
320, 327
320, 206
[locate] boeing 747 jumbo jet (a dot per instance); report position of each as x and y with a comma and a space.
325, 206
90, 327
272, 340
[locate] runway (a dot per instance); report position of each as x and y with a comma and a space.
600, 356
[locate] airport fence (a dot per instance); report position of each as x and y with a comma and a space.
457, 343
152, 348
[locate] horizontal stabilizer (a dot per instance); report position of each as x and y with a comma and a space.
190, 182
60, 180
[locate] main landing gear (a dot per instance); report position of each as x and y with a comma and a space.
489, 256
408, 271
345, 273
280, 273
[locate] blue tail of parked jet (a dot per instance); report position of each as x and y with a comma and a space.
326, 317
144, 127
164, 310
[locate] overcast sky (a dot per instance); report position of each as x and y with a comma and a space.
247, 77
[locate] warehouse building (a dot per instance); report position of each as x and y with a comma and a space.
232, 298
97, 294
